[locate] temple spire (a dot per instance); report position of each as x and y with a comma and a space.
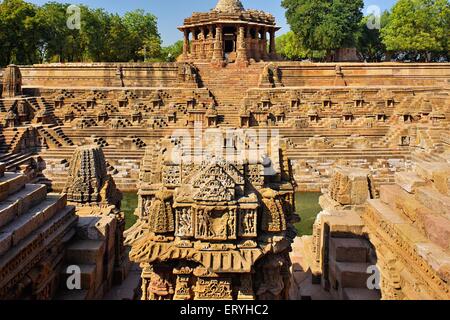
229, 6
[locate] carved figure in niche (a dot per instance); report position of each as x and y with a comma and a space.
182, 289
274, 219
231, 224
160, 287
185, 222
248, 225
147, 204
220, 229
203, 224
271, 285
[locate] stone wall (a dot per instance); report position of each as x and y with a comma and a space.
101, 75
364, 74
292, 74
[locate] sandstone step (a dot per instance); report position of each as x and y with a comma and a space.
11, 183
20, 202
409, 181
386, 212
349, 250
350, 275
434, 200
5, 242
54, 228
87, 276
86, 252
25, 224
360, 294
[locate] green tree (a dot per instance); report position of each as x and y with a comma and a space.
17, 38
369, 44
143, 30
324, 24
30, 34
57, 42
289, 47
172, 52
95, 28
119, 41
418, 27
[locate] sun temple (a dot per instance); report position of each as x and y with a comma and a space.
229, 33
215, 146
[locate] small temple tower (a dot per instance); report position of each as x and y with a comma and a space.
12, 82
229, 33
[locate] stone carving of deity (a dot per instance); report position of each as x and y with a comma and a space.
185, 222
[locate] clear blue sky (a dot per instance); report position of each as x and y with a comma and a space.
171, 13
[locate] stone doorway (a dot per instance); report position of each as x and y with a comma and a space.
229, 44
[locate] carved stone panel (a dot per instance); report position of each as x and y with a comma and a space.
215, 224
182, 287
213, 289
248, 223
171, 175
184, 223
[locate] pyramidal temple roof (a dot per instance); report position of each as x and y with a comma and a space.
229, 6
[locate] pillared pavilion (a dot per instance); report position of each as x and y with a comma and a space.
229, 33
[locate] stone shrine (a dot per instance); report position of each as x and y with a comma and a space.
12, 82
212, 228
229, 33
97, 202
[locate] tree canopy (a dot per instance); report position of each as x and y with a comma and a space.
289, 47
418, 26
35, 34
369, 43
324, 24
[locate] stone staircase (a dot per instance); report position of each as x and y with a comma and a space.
416, 212
349, 260
39, 103
88, 256
54, 136
33, 224
227, 85
10, 139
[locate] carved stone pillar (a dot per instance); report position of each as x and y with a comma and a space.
273, 50
263, 45
248, 40
186, 44
241, 45
218, 45
210, 42
256, 46
202, 43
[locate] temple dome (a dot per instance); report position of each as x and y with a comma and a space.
229, 6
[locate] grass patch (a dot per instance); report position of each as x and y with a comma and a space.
129, 204
307, 207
